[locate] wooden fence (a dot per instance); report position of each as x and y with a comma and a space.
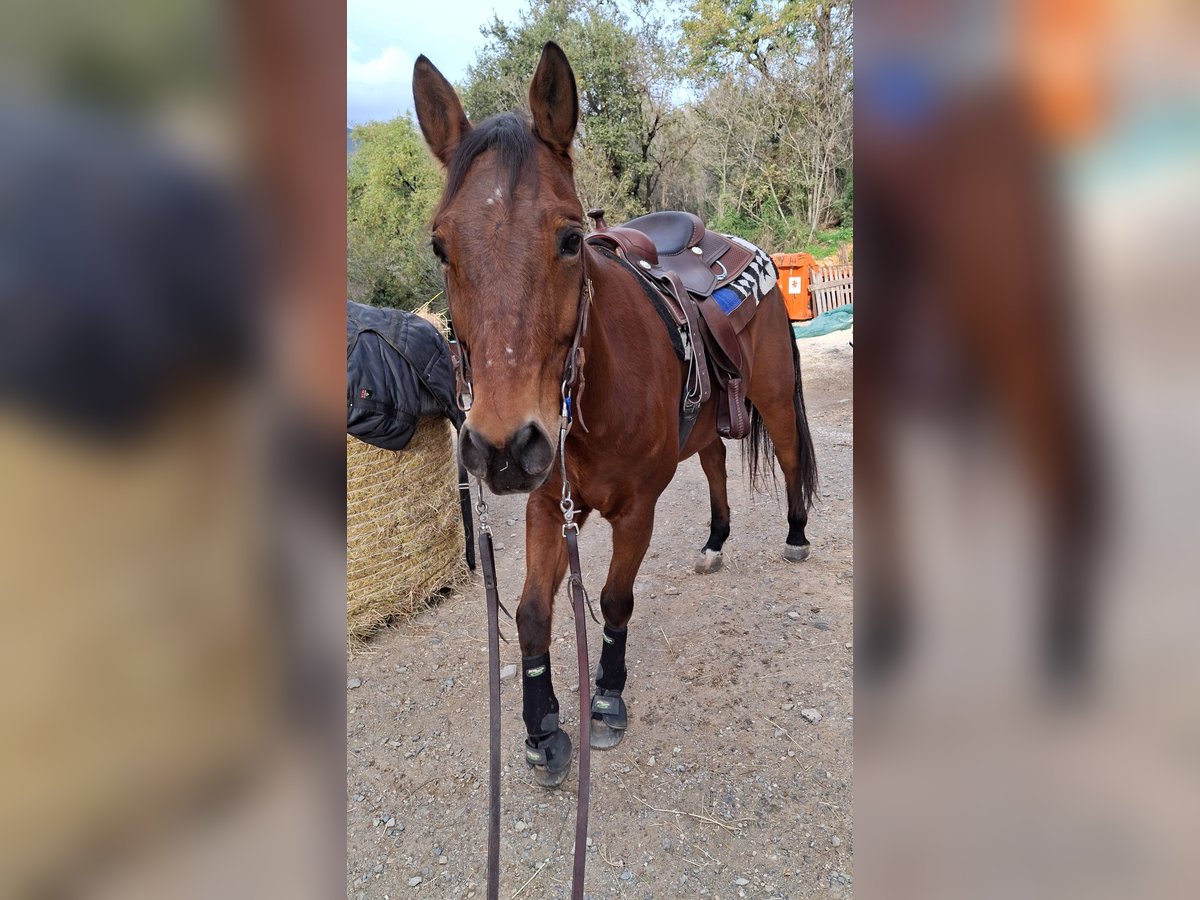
830, 287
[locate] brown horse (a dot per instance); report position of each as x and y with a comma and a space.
509, 233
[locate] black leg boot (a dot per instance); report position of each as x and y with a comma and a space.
547, 747
610, 718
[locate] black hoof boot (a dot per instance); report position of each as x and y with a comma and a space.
549, 756
610, 718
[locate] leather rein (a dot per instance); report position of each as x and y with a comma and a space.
572, 391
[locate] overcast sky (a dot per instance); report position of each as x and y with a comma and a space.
385, 37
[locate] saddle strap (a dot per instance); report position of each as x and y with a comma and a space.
698, 386
585, 714
732, 419
724, 337
487, 557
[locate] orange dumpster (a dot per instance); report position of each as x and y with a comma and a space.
794, 270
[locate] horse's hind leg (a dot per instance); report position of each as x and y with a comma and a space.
631, 537
787, 425
778, 398
712, 461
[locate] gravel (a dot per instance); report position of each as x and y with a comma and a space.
710, 668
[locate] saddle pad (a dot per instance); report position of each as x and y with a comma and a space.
758, 278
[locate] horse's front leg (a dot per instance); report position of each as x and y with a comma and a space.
547, 746
631, 538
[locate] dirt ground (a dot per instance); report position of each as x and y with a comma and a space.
721, 787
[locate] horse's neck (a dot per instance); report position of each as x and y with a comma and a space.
611, 345
599, 369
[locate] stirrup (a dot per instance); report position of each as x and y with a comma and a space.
609, 707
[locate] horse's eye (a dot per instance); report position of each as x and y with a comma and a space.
569, 243
439, 250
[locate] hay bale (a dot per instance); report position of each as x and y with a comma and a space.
404, 532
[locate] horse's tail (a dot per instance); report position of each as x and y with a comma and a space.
808, 456
758, 453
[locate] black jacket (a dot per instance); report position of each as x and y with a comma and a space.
397, 369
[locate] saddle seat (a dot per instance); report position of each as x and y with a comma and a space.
687, 264
671, 232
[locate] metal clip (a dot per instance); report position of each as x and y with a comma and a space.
481, 508
566, 502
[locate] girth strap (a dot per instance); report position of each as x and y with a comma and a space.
698, 387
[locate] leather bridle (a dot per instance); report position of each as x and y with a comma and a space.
572, 392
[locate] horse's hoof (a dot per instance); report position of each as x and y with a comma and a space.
548, 779
603, 737
550, 759
796, 554
708, 561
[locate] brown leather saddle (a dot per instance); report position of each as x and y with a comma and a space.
686, 264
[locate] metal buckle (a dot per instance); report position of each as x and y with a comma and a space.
481, 508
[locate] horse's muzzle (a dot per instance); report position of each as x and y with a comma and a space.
522, 464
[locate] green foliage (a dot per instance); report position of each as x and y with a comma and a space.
777, 96
619, 88
722, 36
825, 243
740, 112
392, 187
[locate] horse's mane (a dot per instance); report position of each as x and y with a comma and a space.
508, 134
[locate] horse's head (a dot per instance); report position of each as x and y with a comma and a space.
509, 235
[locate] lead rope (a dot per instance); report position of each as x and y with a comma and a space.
487, 558
575, 588
579, 597
572, 377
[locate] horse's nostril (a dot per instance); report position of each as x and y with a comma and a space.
475, 451
532, 449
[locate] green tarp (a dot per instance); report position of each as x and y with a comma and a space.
826, 323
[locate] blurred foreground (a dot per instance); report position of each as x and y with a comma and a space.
171, 296
1026, 628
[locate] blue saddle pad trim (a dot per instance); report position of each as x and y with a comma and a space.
728, 299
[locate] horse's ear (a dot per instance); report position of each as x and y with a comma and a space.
553, 100
439, 111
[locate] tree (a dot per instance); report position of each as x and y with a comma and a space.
720, 36
742, 114
779, 95
624, 92
392, 187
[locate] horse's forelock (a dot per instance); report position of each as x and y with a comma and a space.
508, 134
